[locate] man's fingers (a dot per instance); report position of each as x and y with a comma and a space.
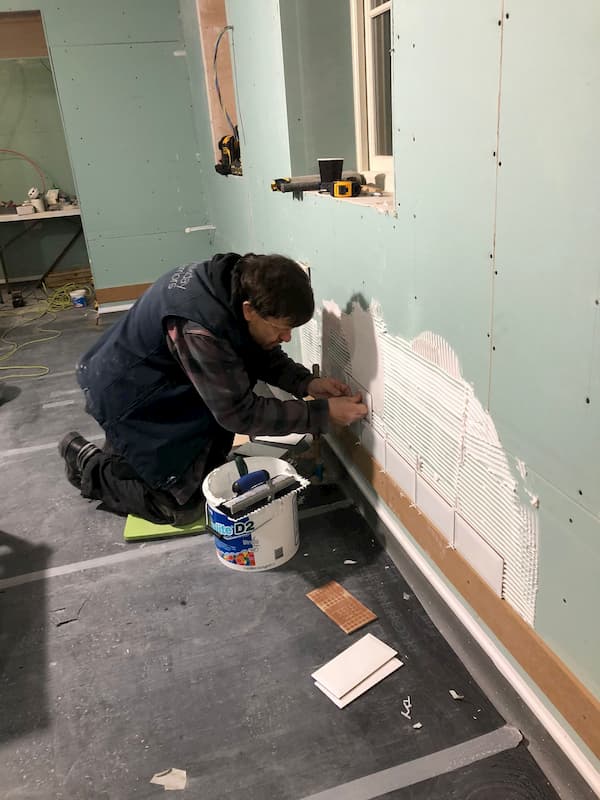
359, 411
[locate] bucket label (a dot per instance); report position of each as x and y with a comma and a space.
228, 527
236, 547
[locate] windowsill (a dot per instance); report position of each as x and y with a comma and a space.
383, 203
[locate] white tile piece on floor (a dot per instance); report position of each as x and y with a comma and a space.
438, 511
341, 702
401, 471
171, 779
353, 665
373, 443
479, 554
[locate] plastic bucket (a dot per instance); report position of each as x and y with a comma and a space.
79, 298
264, 539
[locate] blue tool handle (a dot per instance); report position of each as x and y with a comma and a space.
246, 482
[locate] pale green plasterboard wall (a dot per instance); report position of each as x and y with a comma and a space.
317, 53
136, 170
74, 22
127, 137
30, 122
445, 79
545, 313
546, 327
568, 594
149, 254
429, 266
435, 254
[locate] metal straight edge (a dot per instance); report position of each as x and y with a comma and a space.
96, 563
38, 448
424, 768
130, 555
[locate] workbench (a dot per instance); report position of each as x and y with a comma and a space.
30, 222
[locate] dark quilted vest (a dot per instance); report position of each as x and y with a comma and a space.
137, 391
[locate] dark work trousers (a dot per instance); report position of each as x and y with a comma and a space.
109, 478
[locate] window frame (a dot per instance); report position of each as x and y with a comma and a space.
368, 161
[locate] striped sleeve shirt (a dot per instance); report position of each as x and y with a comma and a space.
219, 376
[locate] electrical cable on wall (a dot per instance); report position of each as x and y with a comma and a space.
36, 166
216, 73
229, 145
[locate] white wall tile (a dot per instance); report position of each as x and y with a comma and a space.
439, 512
373, 443
479, 554
401, 472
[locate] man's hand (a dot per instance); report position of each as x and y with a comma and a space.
346, 410
324, 388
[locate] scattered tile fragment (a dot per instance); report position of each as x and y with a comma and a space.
406, 596
171, 779
455, 695
349, 561
407, 707
418, 725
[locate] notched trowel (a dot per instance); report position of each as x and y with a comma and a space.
257, 489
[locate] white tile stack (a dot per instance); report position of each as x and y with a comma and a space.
355, 670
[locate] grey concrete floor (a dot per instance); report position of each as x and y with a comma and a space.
111, 674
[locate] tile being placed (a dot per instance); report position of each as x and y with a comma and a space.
435, 508
479, 554
356, 388
353, 665
341, 702
401, 471
291, 440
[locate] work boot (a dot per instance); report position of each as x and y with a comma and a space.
76, 451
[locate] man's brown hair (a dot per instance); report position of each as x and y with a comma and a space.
275, 286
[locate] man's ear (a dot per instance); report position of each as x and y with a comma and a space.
248, 311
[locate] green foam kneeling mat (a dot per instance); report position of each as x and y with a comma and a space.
138, 528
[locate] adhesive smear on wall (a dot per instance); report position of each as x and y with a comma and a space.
428, 415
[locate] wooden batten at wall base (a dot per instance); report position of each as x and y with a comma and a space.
121, 294
564, 690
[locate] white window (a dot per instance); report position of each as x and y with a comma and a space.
372, 63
